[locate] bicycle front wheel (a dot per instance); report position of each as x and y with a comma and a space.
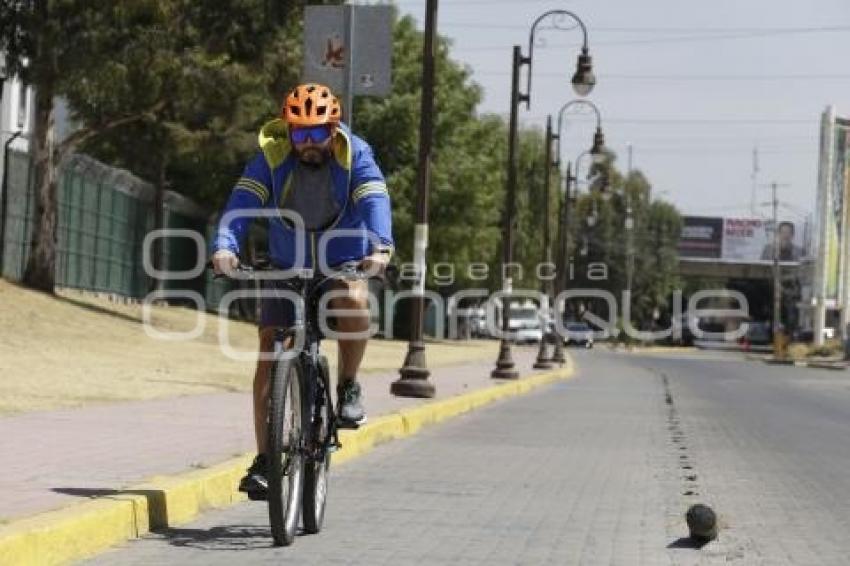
285, 445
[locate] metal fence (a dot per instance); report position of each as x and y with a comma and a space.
104, 214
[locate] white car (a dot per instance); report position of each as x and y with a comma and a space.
525, 325
578, 333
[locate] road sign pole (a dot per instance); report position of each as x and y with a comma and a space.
348, 107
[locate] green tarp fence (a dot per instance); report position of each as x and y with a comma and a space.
104, 214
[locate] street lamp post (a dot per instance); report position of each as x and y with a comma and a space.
597, 151
563, 232
562, 261
544, 359
583, 82
413, 380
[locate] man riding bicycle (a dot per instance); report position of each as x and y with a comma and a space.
310, 165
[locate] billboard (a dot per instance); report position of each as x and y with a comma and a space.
751, 239
702, 237
830, 240
836, 202
739, 239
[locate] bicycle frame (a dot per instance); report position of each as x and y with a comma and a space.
305, 323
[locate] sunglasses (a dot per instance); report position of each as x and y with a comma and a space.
314, 134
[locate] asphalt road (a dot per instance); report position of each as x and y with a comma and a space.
597, 470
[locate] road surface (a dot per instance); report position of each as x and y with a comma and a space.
597, 470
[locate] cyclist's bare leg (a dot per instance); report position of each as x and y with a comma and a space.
351, 351
261, 387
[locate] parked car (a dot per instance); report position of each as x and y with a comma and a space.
479, 323
526, 325
578, 333
686, 336
758, 334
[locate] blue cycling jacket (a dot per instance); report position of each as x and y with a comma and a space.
359, 188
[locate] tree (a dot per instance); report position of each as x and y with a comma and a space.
467, 180
599, 238
142, 65
49, 45
531, 207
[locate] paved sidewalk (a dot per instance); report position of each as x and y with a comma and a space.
57, 458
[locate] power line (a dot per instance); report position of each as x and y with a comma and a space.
688, 138
471, 2
809, 121
685, 121
680, 39
683, 77
639, 29
725, 151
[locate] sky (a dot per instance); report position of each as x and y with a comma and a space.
693, 86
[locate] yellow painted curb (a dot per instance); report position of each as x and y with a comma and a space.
82, 530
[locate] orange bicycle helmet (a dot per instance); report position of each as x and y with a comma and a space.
311, 104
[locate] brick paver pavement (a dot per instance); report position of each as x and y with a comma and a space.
52, 459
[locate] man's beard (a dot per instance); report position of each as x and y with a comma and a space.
313, 156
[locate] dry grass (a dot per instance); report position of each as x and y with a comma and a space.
804, 351
75, 349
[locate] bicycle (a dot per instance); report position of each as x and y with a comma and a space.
302, 428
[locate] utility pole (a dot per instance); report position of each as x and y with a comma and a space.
777, 270
630, 224
754, 178
630, 248
777, 276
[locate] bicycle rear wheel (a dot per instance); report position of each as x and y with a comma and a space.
316, 467
286, 458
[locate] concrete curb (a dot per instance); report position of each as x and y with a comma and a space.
817, 364
82, 530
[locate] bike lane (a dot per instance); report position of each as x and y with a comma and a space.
99, 454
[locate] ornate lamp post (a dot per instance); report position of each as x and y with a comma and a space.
597, 151
544, 357
583, 82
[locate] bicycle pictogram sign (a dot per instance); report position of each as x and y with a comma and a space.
334, 53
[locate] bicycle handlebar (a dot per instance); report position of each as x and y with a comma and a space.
349, 270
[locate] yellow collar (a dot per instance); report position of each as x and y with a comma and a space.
275, 144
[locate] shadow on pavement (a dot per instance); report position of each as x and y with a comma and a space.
97, 309
222, 538
231, 537
687, 542
157, 503
90, 493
